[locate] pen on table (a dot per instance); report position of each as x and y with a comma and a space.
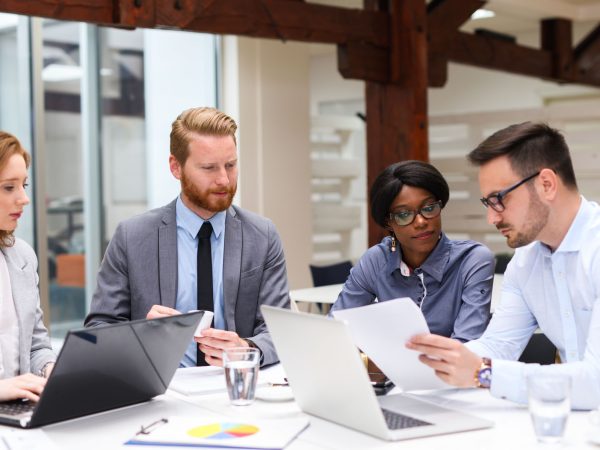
5, 442
285, 383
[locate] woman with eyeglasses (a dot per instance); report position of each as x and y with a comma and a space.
25, 352
450, 280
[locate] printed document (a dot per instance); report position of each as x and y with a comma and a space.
381, 329
220, 432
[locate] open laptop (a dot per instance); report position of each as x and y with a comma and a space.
329, 380
107, 367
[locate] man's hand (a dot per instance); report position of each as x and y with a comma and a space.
27, 386
452, 361
213, 342
161, 311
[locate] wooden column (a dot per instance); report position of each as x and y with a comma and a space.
397, 110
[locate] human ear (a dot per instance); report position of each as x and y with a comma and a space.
548, 183
175, 167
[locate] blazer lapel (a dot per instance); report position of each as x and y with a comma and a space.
167, 258
232, 266
19, 287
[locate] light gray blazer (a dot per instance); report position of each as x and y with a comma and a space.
35, 350
139, 270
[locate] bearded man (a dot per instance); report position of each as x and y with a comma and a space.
552, 283
199, 251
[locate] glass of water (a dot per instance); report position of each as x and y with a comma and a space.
241, 372
549, 405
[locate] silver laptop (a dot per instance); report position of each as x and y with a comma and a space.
325, 370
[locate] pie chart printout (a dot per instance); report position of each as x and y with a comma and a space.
223, 430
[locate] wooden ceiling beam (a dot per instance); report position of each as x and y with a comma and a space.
367, 39
492, 53
279, 19
95, 11
587, 55
557, 38
444, 18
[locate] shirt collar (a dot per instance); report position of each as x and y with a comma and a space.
191, 222
574, 239
434, 265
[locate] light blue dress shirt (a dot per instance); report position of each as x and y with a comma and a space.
559, 293
188, 225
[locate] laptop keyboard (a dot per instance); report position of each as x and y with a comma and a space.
16, 407
397, 421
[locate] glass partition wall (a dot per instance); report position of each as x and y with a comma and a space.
92, 106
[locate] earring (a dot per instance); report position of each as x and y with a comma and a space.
393, 244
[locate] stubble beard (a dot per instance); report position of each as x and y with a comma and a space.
535, 221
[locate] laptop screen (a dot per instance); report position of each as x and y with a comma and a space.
115, 365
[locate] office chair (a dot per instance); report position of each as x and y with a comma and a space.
539, 350
502, 260
332, 274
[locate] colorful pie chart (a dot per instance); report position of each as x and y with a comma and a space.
223, 431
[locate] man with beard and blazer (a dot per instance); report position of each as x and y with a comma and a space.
153, 262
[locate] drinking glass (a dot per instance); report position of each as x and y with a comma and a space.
241, 372
549, 405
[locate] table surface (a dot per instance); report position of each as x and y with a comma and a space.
322, 294
512, 423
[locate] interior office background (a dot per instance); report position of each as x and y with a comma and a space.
95, 106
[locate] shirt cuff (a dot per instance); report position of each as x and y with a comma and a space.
509, 380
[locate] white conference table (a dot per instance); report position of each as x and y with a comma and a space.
512, 428
322, 294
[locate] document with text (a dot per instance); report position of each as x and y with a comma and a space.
381, 329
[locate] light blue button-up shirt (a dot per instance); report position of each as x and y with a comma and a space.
559, 292
188, 225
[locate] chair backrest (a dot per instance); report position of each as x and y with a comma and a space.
332, 274
539, 350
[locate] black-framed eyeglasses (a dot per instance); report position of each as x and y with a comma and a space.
406, 217
494, 201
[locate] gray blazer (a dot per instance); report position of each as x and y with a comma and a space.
35, 350
139, 270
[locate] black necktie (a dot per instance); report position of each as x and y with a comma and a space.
204, 277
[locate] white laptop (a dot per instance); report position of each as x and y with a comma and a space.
329, 380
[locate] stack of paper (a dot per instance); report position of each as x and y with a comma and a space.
221, 432
202, 380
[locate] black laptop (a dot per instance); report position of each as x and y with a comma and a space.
107, 367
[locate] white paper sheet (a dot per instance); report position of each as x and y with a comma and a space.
17, 439
204, 380
381, 329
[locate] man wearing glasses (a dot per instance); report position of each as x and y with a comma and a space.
553, 280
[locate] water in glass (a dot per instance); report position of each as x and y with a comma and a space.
241, 381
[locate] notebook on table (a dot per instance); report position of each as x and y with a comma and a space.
324, 370
107, 367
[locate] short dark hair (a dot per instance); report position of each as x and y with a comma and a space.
389, 183
530, 147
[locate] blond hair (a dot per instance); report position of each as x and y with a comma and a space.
198, 121
9, 146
